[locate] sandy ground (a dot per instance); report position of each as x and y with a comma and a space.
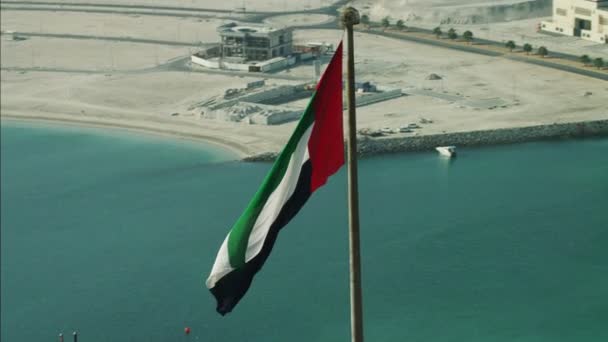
298, 20
250, 5
120, 84
145, 101
532, 94
104, 25
92, 55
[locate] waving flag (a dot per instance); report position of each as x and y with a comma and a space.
314, 152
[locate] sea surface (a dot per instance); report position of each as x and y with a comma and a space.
113, 235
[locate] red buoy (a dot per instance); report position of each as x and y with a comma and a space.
187, 330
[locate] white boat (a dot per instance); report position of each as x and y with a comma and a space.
448, 151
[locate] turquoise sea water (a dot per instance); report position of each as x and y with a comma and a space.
113, 235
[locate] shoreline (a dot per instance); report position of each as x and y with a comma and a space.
239, 152
369, 147
490, 137
366, 146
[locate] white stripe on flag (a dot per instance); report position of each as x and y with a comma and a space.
277, 199
221, 266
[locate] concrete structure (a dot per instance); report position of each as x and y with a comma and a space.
254, 42
256, 104
251, 47
587, 19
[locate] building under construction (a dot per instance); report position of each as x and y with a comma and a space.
254, 42
257, 48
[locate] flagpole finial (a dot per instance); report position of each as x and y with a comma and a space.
350, 16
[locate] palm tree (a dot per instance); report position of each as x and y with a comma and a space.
365, 20
598, 63
452, 34
437, 31
400, 25
527, 48
386, 22
468, 36
585, 59
542, 51
510, 45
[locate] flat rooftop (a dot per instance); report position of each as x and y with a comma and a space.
248, 28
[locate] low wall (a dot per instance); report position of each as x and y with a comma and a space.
368, 146
552, 27
594, 36
267, 94
235, 66
279, 118
214, 64
275, 118
369, 98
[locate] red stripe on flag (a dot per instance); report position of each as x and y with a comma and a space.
326, 144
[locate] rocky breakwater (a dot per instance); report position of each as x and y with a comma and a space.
372, 146
369, 146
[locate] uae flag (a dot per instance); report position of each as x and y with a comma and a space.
314, 152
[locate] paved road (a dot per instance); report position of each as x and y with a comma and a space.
473, 49
584, 72
500, 44
43, 69
115, 39
111, 11
440, 43
180, 64
252, 16
84, 4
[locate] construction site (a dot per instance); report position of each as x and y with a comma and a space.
257, 48
272, 104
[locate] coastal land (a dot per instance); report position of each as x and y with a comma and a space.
131, 71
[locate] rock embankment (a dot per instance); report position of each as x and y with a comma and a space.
372, 146
368, 146
262, 157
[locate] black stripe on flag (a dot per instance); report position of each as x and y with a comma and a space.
229, 290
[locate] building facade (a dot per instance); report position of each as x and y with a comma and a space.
587, 19
254, 42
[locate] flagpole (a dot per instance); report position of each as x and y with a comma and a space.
350, 17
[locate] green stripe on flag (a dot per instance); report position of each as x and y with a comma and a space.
238, 237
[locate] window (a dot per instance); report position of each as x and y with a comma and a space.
582, 11
561, 11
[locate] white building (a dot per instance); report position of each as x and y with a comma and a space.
587, 19
251, 47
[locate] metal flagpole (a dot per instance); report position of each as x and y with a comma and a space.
350, 17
